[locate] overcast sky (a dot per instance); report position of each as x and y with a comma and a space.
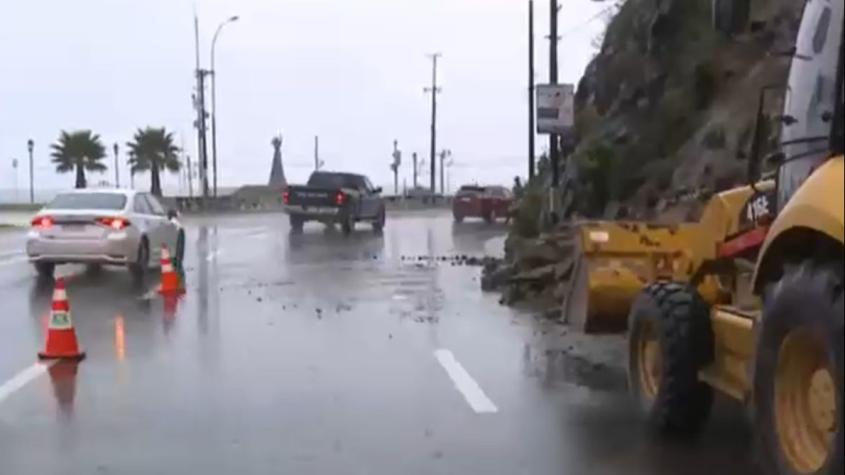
350, 71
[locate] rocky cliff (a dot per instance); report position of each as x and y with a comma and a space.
668, 104
665, 116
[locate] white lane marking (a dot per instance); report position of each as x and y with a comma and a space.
250, 232
22, 379
471, 391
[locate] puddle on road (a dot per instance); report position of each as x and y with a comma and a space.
555, 366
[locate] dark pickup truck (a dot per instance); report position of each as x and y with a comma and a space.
335, 198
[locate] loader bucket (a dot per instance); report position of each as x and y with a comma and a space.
615, 261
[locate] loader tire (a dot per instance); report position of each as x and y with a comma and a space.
670, 339
798, 379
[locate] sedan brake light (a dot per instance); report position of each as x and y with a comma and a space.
118, 224
340, 198
286, 197
42, 222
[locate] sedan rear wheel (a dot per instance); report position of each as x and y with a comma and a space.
139, 268
45, 269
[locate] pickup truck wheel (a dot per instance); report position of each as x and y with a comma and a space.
296, 224
348, 225
378, 224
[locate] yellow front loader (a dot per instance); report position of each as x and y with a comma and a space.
616, 260
749, 301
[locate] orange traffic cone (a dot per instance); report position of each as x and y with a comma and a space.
170, 282
61, 337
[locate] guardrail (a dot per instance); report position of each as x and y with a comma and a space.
271, 202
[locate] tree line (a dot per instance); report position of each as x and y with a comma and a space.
151, 150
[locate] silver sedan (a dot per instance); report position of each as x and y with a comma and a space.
104, 227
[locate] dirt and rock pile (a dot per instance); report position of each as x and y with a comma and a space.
535, 269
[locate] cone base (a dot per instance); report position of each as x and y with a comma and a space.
171, 292
72, 357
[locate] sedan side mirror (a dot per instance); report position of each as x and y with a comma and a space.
377, 190
172, 214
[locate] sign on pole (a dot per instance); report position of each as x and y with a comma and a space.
556, 109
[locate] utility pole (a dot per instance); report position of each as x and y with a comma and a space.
415, 169
30, 146
434, 90
116, 167
316, 153
190, 176
203, 140
197, 95
397, 162
554, 140
531, 107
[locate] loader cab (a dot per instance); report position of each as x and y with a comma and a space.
813, 124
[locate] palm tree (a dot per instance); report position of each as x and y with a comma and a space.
79, 150
153, 150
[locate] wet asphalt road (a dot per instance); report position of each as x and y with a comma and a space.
319, 354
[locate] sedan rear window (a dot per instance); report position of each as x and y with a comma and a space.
93, 201
471, 190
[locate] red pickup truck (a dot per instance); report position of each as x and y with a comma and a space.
487, 202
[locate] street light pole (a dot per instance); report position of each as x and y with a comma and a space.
30, 146
15, 168
414, 157
214, 99
116, 166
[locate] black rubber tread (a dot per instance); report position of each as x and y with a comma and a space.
682, 320
296, 223
179, 259
347, 226
808, 295
380, 221
137, 269
45, 269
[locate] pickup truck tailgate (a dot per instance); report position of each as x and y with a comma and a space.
307, 196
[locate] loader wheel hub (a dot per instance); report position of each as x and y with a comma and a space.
805, 403
650, 364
